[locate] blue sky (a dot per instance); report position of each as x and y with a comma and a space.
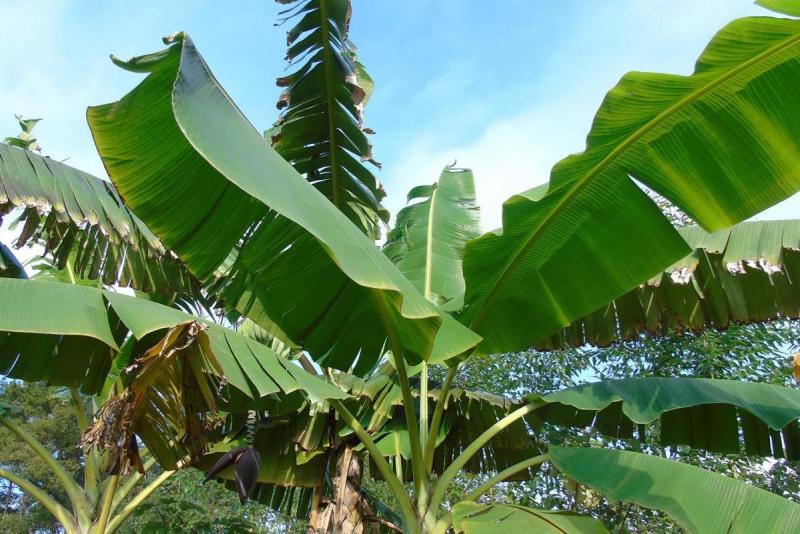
506, 87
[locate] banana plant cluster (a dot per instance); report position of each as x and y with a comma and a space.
318, 349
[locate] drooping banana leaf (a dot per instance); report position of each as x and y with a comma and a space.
701, 501
44, 270
167, 402
716, 415
187, 162
250, 329
722, 144
58, 333
473, 518
748, 273
80, 219
320, 130
67, 335
293, 501
427, 242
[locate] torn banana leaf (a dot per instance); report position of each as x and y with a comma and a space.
81, 221
321, 127
744, 274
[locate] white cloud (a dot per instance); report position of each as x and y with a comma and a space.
512, 154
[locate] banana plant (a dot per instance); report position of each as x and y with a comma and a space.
25, 139
266, 238
105, 500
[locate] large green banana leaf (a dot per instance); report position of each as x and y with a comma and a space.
67, 335
80, 219
701, 501
715, 415
748, 273
722, 144
427, 242
473, 518
57, 333
320, 131
789, 7
187, 162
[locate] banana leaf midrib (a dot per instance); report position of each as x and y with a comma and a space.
429, 245
587, 178
330, 100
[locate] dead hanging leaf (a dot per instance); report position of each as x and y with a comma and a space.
796, 366
112, 431
168, 404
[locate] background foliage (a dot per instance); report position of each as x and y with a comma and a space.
51, 419
757, 353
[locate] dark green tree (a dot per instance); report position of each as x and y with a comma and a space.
51, 420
